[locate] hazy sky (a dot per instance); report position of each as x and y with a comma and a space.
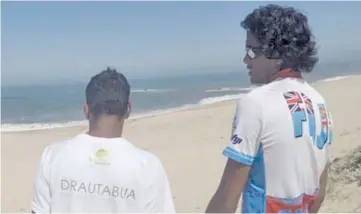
62, 41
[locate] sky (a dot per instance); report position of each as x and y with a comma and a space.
54, 42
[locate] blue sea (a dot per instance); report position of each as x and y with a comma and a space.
50, 106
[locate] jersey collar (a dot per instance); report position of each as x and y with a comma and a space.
286, 73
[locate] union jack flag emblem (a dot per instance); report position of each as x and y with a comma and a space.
308, 103
293, 100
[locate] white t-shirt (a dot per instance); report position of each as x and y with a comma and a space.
90, 174
283, 131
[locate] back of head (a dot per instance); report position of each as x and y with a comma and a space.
107, 94
283, 33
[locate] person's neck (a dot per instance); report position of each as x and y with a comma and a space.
106, 128
105, 133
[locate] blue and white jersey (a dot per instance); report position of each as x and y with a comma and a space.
283, 131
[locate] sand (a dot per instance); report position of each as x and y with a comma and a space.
189, 143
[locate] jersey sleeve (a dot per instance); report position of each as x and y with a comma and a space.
41, 195
246, 132
158, 196
330, 136
331, 126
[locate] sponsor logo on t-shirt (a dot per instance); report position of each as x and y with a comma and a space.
100, 157
235, 139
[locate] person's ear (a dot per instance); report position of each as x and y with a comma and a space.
129, 110
86, 111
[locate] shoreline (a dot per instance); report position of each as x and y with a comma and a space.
136, 117
26, 127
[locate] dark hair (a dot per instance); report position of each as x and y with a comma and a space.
284, 34
108, 93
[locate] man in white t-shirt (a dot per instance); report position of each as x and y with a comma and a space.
278, 152
100, 171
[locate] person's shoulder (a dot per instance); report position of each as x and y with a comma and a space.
53, 149
260, 92
151, 165
148, 158
260, 96
252, 99
312, 91
276, 88
58, 145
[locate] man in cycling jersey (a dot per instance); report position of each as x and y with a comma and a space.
278, 152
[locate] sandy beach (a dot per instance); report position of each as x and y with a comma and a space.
189, 143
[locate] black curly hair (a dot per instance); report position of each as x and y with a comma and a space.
284, 34
107, 93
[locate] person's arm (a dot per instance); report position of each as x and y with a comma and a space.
241, 152
322, 193
41, 196
324, 175
158, 196
227, 196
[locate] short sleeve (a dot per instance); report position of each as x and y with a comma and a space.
41, 195
158, 197
246, 131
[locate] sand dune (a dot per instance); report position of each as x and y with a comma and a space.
344, 184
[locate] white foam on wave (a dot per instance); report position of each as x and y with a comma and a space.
43, 126
205, 101
162, 111
211, 100
150, 90
335, 78
229, 90
39, 126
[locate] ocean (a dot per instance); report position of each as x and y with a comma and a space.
50, 106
